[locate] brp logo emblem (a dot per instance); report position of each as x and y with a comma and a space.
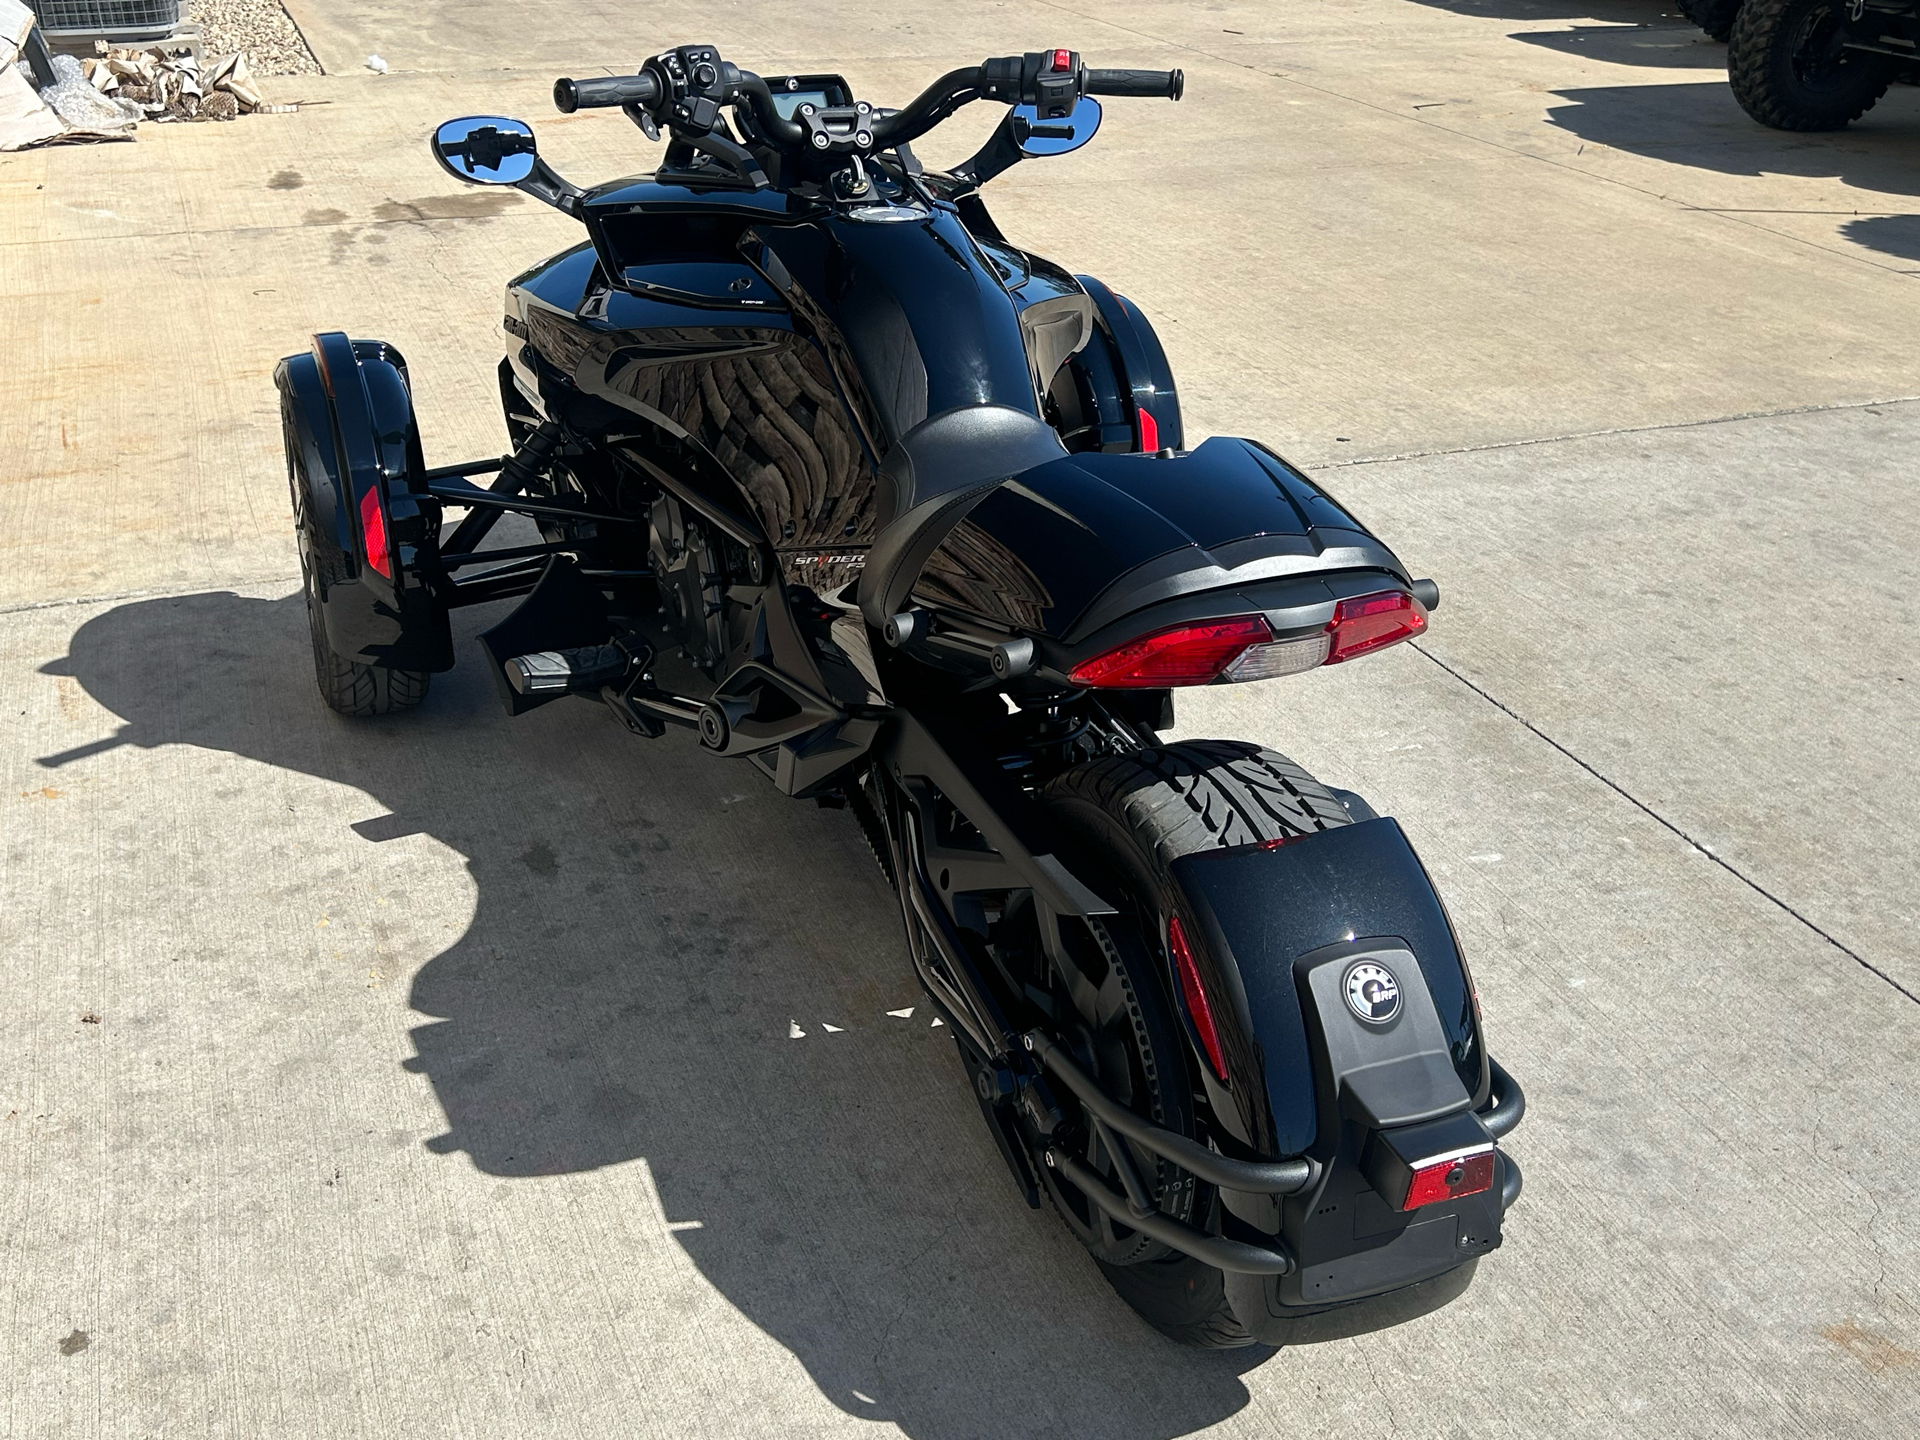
1372, 992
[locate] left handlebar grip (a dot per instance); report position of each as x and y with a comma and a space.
605, 93
1143, 84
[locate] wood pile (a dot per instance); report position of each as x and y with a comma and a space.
173, 87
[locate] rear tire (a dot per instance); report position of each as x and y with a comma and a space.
1137, 814
1788, 70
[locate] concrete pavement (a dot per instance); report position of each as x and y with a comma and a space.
441, 1078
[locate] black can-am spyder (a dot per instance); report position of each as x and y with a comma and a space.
832, 474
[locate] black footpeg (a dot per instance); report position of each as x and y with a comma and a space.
567, 672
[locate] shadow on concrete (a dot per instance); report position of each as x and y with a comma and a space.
1895, 235
1702, 126
1664, 46
1652, 13
647, 920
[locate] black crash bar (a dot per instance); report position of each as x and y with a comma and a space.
1260, 1177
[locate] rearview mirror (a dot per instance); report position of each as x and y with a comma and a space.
1055, 134
486, 150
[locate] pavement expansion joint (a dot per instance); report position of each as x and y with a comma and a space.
1655, 815
1729, 419
23, 606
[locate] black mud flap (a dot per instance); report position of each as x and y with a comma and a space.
369, 533
564, 611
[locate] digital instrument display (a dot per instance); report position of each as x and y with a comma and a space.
788, 102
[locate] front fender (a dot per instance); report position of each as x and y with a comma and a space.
352, 442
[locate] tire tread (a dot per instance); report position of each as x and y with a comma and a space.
1754, 63
1174, 800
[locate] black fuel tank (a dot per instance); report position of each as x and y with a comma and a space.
1072, 545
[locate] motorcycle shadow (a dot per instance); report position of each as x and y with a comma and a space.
651, 924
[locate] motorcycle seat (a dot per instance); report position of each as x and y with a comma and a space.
932, 476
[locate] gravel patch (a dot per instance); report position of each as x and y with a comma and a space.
261, 29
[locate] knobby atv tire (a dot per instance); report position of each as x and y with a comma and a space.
1767, 68
1716, 17
346, 685
1137, 814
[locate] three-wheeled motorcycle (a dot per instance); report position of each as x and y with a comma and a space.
829, 472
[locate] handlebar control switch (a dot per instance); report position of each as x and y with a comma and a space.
1048, 79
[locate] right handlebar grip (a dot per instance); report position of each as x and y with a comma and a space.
1144, 84
605, 93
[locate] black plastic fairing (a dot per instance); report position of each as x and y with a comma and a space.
1067, 548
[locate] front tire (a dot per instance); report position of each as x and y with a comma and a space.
1790, 70
1135, 815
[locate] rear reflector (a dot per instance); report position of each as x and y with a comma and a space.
373, 531
1369, 622
1450, 1178
1149, 431
1198, 1010
1184, 655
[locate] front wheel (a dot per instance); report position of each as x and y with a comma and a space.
1790, 68
1133, 815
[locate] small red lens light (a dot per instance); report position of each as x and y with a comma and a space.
373, 530
1149, 431
1450, 1179
1063, 60
1184, 655
1370, 622
1192, 992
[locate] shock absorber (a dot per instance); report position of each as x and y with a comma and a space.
526, 464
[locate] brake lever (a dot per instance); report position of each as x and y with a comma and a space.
642, 117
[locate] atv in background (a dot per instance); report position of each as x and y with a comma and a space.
1716, 17
1817, 64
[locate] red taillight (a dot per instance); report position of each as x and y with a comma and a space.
373, 531
1062, 60
1149, 431
1369, 622
1449, 1179
1184, 655
1198, 1010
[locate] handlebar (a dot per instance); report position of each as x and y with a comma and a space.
684, 89
572, 95
1144, 84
